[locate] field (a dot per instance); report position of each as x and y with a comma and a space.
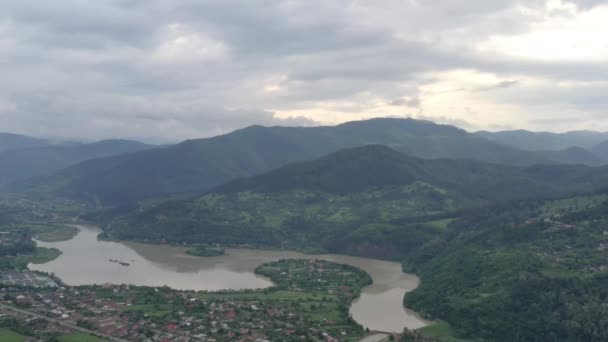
79, 337
441, 331
269, 295
573, 204
53, 233
440, 224
42, 256
153, 310
9, 336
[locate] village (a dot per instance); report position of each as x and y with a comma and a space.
309, 303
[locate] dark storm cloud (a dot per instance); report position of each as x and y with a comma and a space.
187, 68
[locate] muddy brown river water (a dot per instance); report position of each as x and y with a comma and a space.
86, 260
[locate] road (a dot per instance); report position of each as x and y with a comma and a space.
376, 338
64, 324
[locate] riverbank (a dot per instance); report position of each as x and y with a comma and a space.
309, 301
378, 308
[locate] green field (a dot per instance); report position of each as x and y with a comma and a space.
441, 331
9, 336
573, 204
79, 337
271, 295
42, 256
440, 224
53, 233
153, 310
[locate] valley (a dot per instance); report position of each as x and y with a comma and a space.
494, 247
85, 261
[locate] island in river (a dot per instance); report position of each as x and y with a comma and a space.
84, 261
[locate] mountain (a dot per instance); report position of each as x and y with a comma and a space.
362, 168
489, 242
195, 166
540, 141
345, 171
426, 139
574, 155
516, 271
10, 141
601, 150
26, 162
344, 189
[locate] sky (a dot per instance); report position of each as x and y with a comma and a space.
160, 70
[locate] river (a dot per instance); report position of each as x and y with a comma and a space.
86, 260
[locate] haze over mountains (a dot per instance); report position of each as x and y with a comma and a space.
539, 141
9, 141
23, 157
110, 174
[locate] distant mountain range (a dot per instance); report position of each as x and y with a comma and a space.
195, 166
22, 157
363, 168
10, 141
540, 141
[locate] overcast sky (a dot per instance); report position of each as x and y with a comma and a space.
169, 70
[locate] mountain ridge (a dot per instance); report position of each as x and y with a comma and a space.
195, 166
27, 162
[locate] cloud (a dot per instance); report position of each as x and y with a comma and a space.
412, 102
7, 106
499, 85
188, 68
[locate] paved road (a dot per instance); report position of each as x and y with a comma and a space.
65, 324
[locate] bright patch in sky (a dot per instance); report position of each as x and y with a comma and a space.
563, 34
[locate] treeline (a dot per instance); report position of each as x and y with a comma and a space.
15, 243
504, 273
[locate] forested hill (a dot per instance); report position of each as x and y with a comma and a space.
511, 271
345, 171
195, 166
363, 168
340, 186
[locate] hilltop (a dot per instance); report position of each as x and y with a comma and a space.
195, 166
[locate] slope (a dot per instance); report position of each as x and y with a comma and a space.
24, 163
574, 155
195, 166
601, 150
340, 193
540, 141
9, 141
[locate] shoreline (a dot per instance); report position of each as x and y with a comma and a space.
389, 280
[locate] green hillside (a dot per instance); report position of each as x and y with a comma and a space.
196, 166
519, 272
336, 195
499, 259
